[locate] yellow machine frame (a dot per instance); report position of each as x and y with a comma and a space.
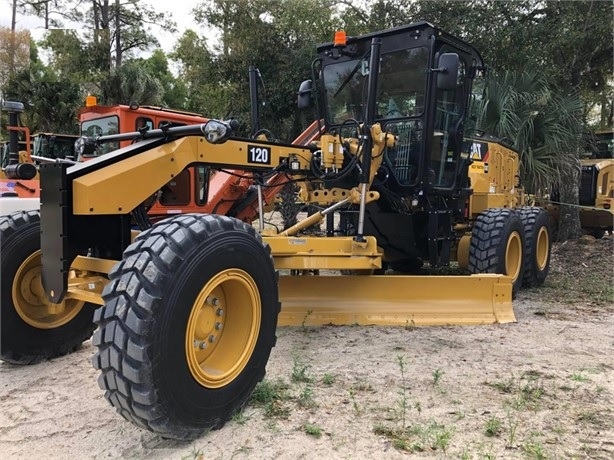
401, 300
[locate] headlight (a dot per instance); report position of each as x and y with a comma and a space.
216, 131
84, 146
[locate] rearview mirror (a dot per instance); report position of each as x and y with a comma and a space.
304, 94
447, 71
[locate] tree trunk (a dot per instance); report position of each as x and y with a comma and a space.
12, 47
569, 214
118, 44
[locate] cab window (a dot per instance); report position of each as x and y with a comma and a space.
144, 122
202, 185
102, 127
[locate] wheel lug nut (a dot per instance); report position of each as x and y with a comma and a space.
218, 326
201, 344
219, 312
211, 300
211, 338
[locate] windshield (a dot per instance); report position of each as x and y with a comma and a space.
401, 86
102, 127
54, 146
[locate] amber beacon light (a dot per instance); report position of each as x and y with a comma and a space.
340, 38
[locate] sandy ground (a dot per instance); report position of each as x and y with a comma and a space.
540, 388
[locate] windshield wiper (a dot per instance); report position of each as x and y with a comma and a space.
354, 70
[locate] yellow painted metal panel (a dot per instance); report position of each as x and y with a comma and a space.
395, 300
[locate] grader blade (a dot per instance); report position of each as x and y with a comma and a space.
395, 300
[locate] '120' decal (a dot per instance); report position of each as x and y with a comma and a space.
257, 154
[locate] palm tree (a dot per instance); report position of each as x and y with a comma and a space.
543, 124
131, 84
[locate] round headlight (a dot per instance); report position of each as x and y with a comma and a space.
84, 146
216, 131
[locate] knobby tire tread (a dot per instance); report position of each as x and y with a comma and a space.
10, 226
122, 335
533, 218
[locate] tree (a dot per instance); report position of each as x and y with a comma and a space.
51, 104
543, 124
277, 37
174, 90
53, 12
119, 27
14, 51
545, 127
131, 84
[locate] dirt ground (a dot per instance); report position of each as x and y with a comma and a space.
539, 388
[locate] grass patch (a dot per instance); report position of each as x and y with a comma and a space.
312, 430
534, 450
305, 399
417, 438
328, 379
300, 372
493, 427
271, 396
579, 377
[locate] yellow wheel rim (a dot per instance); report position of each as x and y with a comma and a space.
30, 301
541, 248
513, 256
223, 328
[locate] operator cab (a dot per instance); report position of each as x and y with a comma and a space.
423, 87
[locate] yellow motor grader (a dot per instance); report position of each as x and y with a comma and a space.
188, 309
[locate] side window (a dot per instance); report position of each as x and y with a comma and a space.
447, 135
143, 122
202, 185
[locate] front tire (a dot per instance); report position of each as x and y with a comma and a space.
538, 245
188, 324
497, 245
32, 328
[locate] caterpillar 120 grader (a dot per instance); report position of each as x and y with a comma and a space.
188, 309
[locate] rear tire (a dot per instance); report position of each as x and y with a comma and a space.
188, 324
31, 328
497, 245
538, 245
287, 206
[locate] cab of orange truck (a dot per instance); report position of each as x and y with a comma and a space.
187, 191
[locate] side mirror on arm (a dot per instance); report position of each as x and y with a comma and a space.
447, 72
304, 94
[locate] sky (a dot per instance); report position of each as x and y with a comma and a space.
181, 14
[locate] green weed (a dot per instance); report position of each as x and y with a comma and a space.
300, 372
493, 427
328, 379
305, 399
437, 374
312, 430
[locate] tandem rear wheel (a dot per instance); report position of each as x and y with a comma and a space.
538, 245
32, 328
188, 324
497, 245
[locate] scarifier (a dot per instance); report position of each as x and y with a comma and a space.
189, 308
